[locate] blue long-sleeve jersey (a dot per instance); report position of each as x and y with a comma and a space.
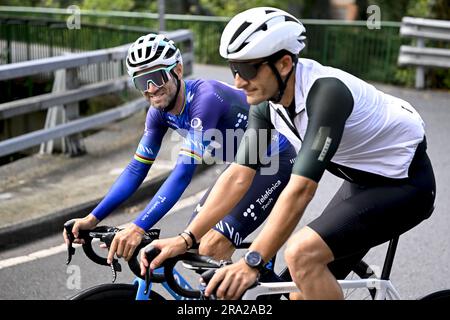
213, 120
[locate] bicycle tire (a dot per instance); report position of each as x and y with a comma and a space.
443, 295
111, 291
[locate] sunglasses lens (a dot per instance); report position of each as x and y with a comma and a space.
246, 71
158, 78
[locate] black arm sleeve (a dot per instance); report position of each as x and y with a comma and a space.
257, 137
328, 105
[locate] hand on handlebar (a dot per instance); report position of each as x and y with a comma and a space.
169, 247
125, 242
230, 282
87, 223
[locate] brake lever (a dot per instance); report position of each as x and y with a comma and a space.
206, 277
150, 253
70, 249
108, 239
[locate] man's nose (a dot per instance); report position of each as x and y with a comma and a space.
239, 82
151, 88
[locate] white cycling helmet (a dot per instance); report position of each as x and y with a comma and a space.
261, 32
151, 50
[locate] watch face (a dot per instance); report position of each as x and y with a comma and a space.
253, 258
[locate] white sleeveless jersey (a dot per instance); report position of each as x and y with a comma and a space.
380, 135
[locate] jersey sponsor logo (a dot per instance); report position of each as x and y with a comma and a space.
228, 231
145, 150
241, 117
325, 148
194, 144
198, 208
249, 212
154, 206
268, 192
267, 204
189, 96
196, 123
218, 96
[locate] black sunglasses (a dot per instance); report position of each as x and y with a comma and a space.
246, 70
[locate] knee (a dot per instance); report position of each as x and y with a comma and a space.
305, 255
216, 245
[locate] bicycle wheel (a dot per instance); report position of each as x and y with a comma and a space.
443, 295
362, 271
111, 291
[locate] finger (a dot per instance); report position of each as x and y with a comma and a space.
78, 241
159, 259
143, 263
112, 251
216, 279
128, 252
120, 247
132, 252
222, 290
233, 289
240, 290
75, 229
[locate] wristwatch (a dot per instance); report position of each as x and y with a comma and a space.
254, 260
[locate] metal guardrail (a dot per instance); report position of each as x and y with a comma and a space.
349, 45
420, 56
72, 94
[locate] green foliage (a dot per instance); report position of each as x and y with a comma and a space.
116, 5
230, 8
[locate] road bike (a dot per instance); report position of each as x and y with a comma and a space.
172, 280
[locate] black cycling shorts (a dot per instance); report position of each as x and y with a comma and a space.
256, 205
360, 217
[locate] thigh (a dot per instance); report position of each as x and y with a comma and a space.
370, 217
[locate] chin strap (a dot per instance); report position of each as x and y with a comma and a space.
174, 100
281, 84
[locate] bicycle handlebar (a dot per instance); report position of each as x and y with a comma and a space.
169, 264
106, 234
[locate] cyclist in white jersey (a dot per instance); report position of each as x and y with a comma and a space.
336, 122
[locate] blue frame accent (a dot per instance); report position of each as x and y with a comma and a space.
141, 286
140, 295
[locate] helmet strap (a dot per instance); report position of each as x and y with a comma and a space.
174, 99
281, 84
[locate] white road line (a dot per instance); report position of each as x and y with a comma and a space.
11, 262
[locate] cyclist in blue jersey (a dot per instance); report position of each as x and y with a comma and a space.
210, 115
336, 122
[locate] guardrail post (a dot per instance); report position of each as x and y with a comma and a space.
8, 43
72, 145
55, 116
420, 71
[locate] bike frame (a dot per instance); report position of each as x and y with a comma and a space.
140, 295
385, 288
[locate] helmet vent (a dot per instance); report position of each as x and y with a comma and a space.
169, 53
239, 31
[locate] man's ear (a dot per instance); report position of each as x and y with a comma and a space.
179, 70
285, 65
